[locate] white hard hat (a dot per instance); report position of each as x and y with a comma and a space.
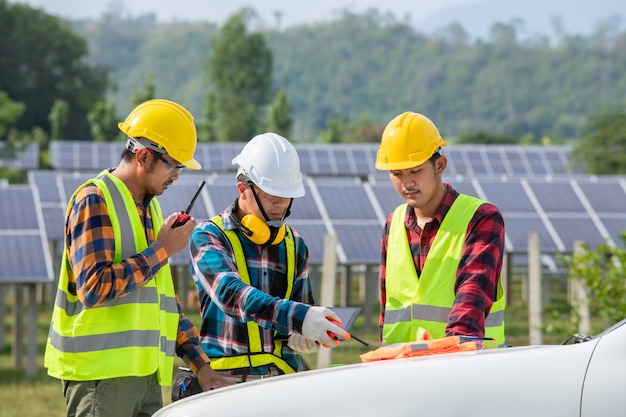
271, 162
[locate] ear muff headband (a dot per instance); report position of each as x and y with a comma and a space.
258, 231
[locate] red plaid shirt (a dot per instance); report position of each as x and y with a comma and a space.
479, 268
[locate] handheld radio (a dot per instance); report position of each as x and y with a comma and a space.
184, 216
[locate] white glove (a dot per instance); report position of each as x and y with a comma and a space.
301, 344
318, 327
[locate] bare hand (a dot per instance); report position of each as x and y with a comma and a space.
175, 239
210, 379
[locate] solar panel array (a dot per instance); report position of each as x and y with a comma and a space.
341, 159
561, 209
345, 195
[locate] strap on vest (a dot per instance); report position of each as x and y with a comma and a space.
256, 357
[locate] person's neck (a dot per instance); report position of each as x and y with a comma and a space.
128, 176
425, 214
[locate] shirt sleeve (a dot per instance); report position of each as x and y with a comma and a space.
91, 248
188, 343
383, 277
478, 273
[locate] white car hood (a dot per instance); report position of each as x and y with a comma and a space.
490, 382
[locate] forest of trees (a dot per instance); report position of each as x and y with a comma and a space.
372, 66
339, 81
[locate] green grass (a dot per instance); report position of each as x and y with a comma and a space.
41, 396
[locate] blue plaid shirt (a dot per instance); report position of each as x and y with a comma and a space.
227, 303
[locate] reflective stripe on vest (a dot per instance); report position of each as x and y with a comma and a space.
415, 303
134, 335
256, 357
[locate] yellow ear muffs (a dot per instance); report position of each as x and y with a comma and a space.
259, 232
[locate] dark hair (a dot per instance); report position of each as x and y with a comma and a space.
127, 155
434, 157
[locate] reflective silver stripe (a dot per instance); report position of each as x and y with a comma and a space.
139, 295
495, 319
128, 240
431, 313
168, 304
81, 344
168, 346
397, 316
436, 314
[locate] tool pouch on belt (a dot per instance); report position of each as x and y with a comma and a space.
185, 385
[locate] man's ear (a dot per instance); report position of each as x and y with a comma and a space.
241, 187
440, 164
142, 156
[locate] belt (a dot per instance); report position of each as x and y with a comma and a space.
241, 378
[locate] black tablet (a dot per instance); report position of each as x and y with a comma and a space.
347, 315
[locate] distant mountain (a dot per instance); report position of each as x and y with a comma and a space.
576, 16
476, 16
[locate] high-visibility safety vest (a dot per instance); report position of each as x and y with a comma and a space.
416, 303
448, 344
133, 335
255, 357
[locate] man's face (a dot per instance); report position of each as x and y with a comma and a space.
275, 207
418, 185
163, 171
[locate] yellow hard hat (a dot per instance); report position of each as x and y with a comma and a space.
409, 140
168, 125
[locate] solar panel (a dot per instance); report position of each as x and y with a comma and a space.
313, 233
508, 196
557, 197
46, 183
387, 197
518, 227
24, 253
518, 165
28, 158
20, 209
222, 195
608, 196
360, 242
615, 226
305, 207
345, 199
571, 230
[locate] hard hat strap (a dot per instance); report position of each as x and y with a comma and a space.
133, 144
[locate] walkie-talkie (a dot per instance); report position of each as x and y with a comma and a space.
184, 216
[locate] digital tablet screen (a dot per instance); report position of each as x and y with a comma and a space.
347, 315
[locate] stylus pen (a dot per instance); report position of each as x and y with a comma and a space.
361, 341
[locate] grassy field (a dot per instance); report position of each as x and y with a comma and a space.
41, 396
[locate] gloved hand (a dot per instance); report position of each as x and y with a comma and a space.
301, 344
319, 326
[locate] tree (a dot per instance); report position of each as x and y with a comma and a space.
10, 112
280, 120
240, 74
603, 149
601, 272
485, 138
103, 122
42, 60
58, 119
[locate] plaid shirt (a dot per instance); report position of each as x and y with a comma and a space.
90, 247
479, 267
227, 303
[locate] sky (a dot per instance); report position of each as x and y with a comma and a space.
293, 12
